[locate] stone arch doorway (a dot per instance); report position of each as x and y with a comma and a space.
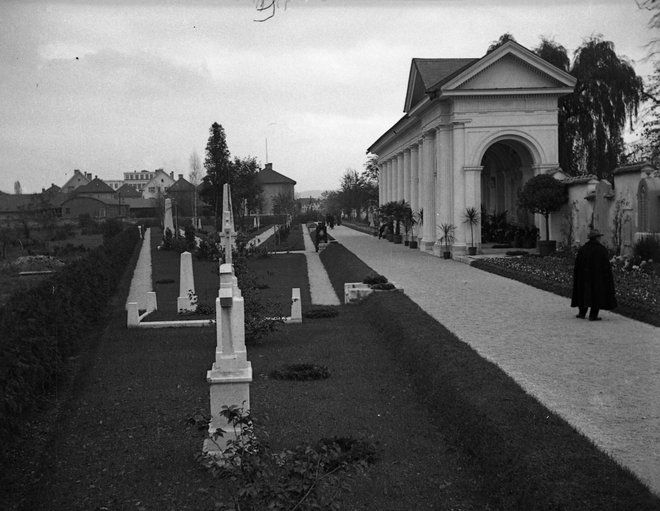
506, 165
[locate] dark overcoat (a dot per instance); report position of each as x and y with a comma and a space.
593, 283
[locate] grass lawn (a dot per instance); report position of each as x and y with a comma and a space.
274, 276
451, 430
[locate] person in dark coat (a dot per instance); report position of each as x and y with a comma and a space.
593, 283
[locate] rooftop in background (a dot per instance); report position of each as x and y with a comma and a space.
269, 176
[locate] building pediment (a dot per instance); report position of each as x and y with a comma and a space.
510, 68
510, 73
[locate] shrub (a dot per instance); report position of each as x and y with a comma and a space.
304, 477
647, 248
301, 372
43, 326
374, 278
387, 286
321, 312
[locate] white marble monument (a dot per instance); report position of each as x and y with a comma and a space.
231, 373
185, 300
168, 222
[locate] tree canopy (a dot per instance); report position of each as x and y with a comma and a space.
543, 194
218, 165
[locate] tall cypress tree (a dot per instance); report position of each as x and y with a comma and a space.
218, 166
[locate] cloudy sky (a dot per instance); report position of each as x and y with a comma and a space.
114, 86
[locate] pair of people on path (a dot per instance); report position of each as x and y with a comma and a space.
593, 283
320, 235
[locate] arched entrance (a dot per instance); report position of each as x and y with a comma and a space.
507, 164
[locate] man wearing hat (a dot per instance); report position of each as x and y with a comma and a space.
593, 283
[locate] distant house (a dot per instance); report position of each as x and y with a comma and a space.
77, 180
115, 184
182, 192
14, 207
95, 199
138, 179
273, 184
158, 184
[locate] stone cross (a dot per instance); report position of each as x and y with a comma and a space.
228, 232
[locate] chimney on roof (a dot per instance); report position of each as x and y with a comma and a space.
88, 175
180, 176
269, 166
172, 174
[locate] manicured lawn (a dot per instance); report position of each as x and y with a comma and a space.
451, 430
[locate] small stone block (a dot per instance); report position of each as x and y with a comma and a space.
132, 315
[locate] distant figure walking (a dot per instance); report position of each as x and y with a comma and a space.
320, 235
593, 283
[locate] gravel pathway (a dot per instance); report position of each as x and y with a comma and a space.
319, 283
141, 283
602, 377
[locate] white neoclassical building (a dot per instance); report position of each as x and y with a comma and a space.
473, 132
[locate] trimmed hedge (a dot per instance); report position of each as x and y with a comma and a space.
44, 326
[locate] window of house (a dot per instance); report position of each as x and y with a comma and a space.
152, 189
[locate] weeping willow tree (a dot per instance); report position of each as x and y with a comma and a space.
593, 118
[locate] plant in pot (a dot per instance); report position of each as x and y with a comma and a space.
543, 194
408, 226
386, 212
447, 238
399, 212
417, 219
471, 217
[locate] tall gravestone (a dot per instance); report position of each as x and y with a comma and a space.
168, 223
185, 302
231, 373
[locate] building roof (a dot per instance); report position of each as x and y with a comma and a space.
268, 176
95, 186
583, 179
434, 72
634, 167
23, 202
126, 190
181, 185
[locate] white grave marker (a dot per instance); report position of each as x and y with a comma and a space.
231, 373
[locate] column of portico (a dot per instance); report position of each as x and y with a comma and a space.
420, 186
386, 179
406, 175
458, 154
473, 199
400, 177
428, 197
393, 179
414, 178
444, 194
386, 171
381, 167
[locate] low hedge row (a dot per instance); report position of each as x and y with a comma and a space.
529, 457
43, 326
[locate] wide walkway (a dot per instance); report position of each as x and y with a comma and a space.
603, 377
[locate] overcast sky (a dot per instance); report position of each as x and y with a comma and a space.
108, 87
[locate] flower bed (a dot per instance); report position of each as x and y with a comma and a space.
637, 290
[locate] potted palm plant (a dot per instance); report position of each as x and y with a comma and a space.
408, 226
447, 238
471, 217
399, 213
